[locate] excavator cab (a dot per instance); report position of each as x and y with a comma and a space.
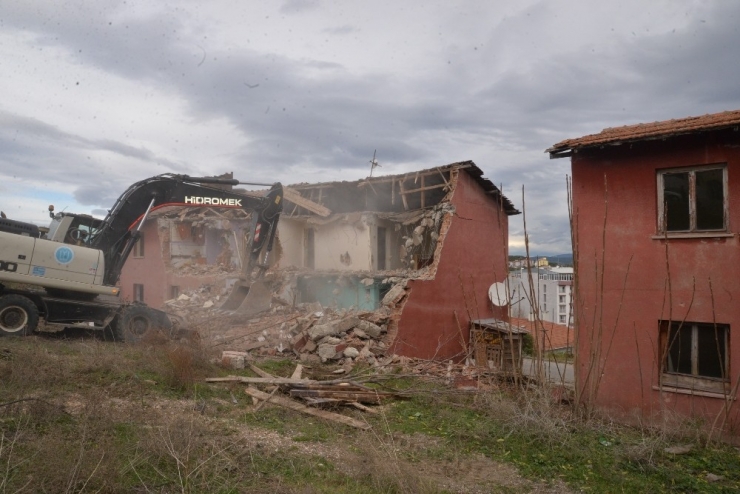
70, 228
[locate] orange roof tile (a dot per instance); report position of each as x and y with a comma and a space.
557, 336
647, 131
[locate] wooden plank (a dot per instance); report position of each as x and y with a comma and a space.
403, 195
259, 371
391, 178
362, 407
258, 380
284, 402
361, 396
332, 387
297, 372
422, 189
447, 184
262, 403
296, 198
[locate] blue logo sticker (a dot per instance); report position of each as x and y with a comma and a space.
39, 271
64, 255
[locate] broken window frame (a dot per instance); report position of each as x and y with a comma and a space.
674, 356
692, 205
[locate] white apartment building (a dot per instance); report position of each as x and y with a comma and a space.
549, 294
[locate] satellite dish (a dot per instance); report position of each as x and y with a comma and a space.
499, 294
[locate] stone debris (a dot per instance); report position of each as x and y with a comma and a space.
310, 332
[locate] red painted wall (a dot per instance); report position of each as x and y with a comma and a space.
474, 256
636, 268
150, 271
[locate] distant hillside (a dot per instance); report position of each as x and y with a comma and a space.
560, 259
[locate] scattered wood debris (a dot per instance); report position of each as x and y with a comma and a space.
312, 393
293, 405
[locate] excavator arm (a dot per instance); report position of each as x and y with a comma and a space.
119, 231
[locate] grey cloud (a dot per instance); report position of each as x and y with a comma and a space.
299, 6
315, 113
341, 30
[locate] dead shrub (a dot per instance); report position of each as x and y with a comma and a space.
182, 374
533, 412
186, 454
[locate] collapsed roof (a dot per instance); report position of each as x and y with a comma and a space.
389, 194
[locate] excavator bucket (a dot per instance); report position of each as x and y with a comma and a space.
248, 299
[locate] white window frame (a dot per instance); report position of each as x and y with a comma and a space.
691, 170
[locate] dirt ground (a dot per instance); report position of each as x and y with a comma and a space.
370, 452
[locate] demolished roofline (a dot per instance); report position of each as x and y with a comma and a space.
469, 166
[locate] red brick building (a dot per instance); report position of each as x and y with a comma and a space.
656, 217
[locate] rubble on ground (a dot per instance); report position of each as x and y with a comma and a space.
308, 331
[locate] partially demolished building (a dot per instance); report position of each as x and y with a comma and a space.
419, 249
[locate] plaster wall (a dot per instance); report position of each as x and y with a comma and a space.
435, 319
348, 240
291, 239
151, 272
645, 278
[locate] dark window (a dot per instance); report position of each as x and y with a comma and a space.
139, 247
381, 247
695, 355
310, 248
692, 200
174, 291
138, 292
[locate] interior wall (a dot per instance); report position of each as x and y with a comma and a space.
343, 246
291, 237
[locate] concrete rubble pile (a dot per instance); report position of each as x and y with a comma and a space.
308, 331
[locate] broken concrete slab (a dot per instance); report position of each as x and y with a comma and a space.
327, 352
370, 329
395, 295
333, 328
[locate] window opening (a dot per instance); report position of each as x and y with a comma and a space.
138, 251
693, 200
695, 355
138, 292
310, 248
382, 236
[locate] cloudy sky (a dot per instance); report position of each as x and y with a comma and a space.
98, 94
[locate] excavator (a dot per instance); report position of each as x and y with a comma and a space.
69, 276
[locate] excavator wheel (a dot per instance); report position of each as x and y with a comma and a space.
19, 316
137, 322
